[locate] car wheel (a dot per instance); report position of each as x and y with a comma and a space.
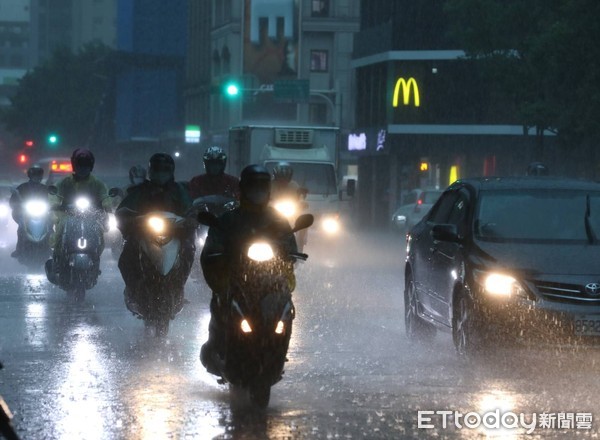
417, 330
467, 332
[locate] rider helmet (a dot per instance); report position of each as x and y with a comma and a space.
283, 171
255, 185
35, 173
537, 169
137, 174
161, 169
82, 161
215, 160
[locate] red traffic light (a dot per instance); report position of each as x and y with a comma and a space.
23, 159
29, 143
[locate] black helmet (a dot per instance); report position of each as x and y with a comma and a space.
161, 168
215, 160
35, 173
255, 185
537, 169
82, 161
283, 171
137, 174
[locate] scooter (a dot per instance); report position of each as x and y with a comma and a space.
216, 205
76, 265
258, 313
158, 296
35, 232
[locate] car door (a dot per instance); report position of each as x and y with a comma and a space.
424, 250
446, 260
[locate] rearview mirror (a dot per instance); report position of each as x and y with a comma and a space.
115, 192
303, 222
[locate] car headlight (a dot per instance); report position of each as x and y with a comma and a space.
260, 252
36, 208
331, 225
286, 207
112, 222
499, 284
82, 204
157, 225
4, 210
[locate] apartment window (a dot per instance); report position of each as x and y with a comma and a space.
319, 61
319, 8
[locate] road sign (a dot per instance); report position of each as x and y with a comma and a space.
291, 90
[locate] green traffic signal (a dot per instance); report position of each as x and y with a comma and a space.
52, 139
232, 89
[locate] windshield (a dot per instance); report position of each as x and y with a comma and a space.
538, 215
318, 178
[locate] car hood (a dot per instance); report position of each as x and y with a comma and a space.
557, 259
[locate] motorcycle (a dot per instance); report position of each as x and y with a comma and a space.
36, 226
290, 207
157, 298
76, 265
258, 313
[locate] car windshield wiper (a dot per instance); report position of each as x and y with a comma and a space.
588, 226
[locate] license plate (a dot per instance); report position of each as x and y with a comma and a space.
587, 325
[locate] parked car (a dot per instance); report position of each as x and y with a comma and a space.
417, 203
506, 256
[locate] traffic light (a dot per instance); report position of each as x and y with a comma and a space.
231, 89
23, 159
52, 139
29, 143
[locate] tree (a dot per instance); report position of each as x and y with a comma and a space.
545, 53
61, 96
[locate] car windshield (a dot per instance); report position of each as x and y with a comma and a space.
537, 215
318, 178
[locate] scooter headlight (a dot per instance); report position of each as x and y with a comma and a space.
331, 225
245, 326
4, 210
112, 222
82, 204
36, 208
157, 225
286, 207
260, 252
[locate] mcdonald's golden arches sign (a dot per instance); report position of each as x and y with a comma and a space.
409, 88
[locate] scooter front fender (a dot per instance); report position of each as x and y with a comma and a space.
164, 256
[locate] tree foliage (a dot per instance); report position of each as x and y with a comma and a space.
546, 53
62, 95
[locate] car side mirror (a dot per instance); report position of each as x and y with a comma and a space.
445, 232
302, 222
52, 190
115, 192
207, 219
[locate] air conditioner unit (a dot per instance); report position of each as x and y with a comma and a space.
290, 136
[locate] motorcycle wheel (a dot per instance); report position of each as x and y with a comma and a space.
260, 394
78, 294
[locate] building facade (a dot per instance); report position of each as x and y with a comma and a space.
426, 114
290, 59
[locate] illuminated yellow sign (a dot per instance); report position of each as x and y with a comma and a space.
424, 166
453, 174
407, 86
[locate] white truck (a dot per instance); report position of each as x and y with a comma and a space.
311, 151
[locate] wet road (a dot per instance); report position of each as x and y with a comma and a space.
89, 371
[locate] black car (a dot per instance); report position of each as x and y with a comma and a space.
506, 256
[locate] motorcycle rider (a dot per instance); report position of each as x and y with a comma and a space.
283, 185
159, 193
33, 189
80, 183
253, 216
215, 181
137, 175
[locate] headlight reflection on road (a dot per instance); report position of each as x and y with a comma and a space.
81, 411
502, 401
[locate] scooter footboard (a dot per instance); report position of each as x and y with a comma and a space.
81, 271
